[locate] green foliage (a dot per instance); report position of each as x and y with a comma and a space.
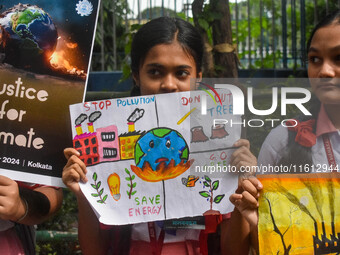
127, 49
45, 248
65, 220
269, 30
104, 35
157, 12
272, 29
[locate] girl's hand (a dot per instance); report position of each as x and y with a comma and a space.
245, 199
242, 157
12, 206
74, 171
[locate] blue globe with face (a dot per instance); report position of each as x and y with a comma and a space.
28, 36
161, 145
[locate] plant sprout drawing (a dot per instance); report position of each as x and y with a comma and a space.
100, 192
209, 195
131, 185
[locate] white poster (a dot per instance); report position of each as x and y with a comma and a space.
157, 157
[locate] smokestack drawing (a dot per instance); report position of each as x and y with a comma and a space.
92, 118
324, 229
131, 126
333, 229
331, 196
135, 115
81, 118
316, 230
90, 127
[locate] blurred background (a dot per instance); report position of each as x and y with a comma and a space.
249, 38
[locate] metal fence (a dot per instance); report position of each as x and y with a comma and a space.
269, 34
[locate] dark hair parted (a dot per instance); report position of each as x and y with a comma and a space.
165, 30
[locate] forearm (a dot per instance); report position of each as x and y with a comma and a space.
92, 239
38, 205
254, 238
235, 235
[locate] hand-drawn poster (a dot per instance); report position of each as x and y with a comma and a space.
299, 214
156, 157
45, 49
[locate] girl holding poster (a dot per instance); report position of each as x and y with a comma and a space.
313, 141
166, 53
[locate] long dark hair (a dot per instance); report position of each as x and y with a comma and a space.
296, 154
165, 30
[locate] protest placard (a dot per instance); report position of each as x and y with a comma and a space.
45, 49
298, 213
156, 157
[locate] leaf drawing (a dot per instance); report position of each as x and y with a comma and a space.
131, 184
204, 194
96, 185
218, 198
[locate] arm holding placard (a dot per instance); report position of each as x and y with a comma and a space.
27, 206
92, 238
239, 233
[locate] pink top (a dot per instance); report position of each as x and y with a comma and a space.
184, 242
189, 247
10, 243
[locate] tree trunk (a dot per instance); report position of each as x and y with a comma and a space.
208, 60
225, 58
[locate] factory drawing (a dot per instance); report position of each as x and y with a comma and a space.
326, 245
104, 144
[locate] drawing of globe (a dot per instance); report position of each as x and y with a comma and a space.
161, 145
29, 36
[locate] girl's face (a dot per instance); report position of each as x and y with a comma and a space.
166, 68
324, 64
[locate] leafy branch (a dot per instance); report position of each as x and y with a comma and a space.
131, 185
100, 192
210, 194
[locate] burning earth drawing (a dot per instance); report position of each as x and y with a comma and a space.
161, 154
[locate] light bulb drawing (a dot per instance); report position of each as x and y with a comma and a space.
114, 184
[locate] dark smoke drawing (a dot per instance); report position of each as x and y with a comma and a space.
136, 115
94, 116
81, 118
315, 192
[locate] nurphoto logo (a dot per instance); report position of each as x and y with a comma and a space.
238, 105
